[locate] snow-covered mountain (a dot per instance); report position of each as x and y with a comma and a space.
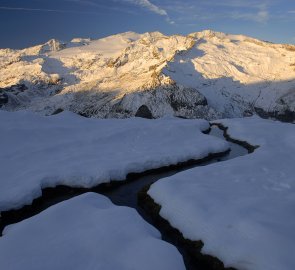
203, 75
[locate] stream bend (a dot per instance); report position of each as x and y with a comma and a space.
133, 193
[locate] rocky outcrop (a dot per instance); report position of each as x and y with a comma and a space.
144, 112
285, 115
10, 93
168, 100
3, 98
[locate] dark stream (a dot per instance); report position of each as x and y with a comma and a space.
124, 194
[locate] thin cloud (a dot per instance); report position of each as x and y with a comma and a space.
100, 6
92, 12
241, 4
47, 10
146, 4
259, 9
261, 16
209, 10
84, 2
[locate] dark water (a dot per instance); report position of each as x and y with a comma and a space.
127, 194
236, 149
124, 194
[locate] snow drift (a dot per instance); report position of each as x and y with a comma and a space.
241, 208
87, 232
67, 149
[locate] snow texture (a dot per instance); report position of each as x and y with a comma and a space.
242, 209
225, 76
67, 149
87, 232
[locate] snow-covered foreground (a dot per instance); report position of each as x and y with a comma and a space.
67, 149
87, 232
242, 209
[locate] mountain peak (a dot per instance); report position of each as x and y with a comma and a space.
206, 74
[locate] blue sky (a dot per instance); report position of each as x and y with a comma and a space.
28, 22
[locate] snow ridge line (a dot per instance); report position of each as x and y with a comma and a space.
191, 248
197, 259
251, 148
61, 192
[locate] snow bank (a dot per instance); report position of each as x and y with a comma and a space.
66, 149
242, 209
87, 232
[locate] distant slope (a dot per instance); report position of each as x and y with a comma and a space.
238, 74
202, 75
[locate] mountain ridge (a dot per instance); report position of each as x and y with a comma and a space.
202, 75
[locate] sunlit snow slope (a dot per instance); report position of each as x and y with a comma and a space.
202, 75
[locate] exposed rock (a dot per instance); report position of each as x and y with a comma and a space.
57, 111
15, 89
284, 115
8, 93
189, 99
168, 100
144, 112
3, 98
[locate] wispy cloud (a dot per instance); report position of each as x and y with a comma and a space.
84, 2
100, 6
47, 10
252, 4
212, 10
253, 10
261, 16
146, 4
97, 11
31, 9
